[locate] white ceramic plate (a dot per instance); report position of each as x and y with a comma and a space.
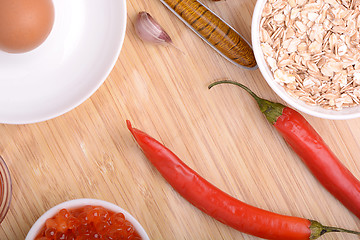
68, 67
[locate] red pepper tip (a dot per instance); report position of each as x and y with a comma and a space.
128, 123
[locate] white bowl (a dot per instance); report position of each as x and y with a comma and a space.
68, 67
317, 111
35, 229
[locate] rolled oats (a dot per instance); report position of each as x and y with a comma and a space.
311, 46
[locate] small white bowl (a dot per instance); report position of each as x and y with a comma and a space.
317, 111
77, 203
65, 70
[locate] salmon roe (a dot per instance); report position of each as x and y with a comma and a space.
88, 223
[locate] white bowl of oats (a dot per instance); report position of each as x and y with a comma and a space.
307, 50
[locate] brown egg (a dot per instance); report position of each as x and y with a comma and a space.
24, 24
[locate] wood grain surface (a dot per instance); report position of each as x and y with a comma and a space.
88, 152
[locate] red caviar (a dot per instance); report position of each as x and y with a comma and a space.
88, 223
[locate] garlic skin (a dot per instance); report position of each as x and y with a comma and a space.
148, 29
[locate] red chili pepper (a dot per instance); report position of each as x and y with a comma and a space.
312, 149
220, 205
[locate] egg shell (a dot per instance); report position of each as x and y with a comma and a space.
25, 24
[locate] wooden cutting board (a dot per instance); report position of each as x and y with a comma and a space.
220, 133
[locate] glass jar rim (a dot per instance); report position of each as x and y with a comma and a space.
5, 189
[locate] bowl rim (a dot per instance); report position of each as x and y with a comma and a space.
6, 187
277, 88
34, 230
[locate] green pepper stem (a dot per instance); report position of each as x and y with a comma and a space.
237, 84
317, 230
271, 110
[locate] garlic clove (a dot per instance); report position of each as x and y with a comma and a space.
148, 29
